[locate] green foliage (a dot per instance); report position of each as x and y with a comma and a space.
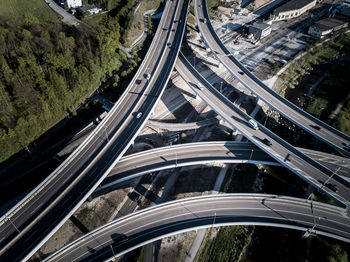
316, 106
48, 74
324, 250
342, 121
227, 245
15, 9
315, 55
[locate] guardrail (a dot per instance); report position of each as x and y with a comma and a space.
245, 220
271, 92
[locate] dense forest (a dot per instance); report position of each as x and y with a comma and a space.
47, 69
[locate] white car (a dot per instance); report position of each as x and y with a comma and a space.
253, 124
139, 115
200, 86
148, 76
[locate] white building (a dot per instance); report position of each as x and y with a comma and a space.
260, 30
92, 9
292, 9
74, 3
326, 26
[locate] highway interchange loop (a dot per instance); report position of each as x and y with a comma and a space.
34, 219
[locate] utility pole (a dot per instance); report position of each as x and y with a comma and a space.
176, 161
214, 219
251, 154
13, 224
267, 116
106, 134
330, 177
112, 251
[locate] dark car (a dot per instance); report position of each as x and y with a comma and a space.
332, 187
317, 127
240, 72
117, 238
347, 146
267, 142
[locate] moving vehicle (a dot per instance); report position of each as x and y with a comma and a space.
148, 76
332, 187
253, 124
267, 142
200, 86
139, 115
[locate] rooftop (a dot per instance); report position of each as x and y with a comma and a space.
261, 26
292, 5
328, 23
86, 8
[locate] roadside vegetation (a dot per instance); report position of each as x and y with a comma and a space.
316, 55
47, 69
227, 245
15, 9
136, 24
334, 90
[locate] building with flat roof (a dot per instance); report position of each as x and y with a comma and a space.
326, 26
345, 11
260, 30
92, 9
74, 3
292, 9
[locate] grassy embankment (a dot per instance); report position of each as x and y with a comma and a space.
333, 89
17, 8
136, 25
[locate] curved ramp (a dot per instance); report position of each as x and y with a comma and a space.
127, 233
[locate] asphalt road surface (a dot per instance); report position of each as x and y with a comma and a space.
295, 114
283, 152
145, 226
157, 159
24, 229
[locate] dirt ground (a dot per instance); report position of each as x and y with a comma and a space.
174, 248
88, 217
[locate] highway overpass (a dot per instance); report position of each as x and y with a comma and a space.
284, 153
293, 113
180, 155
34, 219
145, 226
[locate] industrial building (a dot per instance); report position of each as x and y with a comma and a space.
91, 9
260, 30
74, 3
326, 26
345, 12
292, 9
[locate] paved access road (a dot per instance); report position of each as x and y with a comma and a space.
28, 225
283, 152
299, 117
67, 17
145, 226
